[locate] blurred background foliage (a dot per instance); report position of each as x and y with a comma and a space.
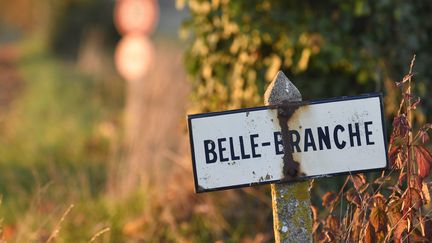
62, 24
330, 48
61, 136
76, 19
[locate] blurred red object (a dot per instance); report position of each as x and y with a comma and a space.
136, 16
134, 56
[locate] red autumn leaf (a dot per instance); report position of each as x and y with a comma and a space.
394, 155
412, 198
359, 180
408, 96
402, 178
414, 100
424, 136
416, 181
425, 193
322, 237
400, 126
415, 103
379, 200
315, 226
314, 213
328, 199
333, 224
357, 222
378, 219
393, 213
353, 197
427, 126
397, 223
424, 160
400, 229
416, 198
369, 236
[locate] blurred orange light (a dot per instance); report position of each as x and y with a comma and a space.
134, 56
136, 16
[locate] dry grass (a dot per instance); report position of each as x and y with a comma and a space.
391, 206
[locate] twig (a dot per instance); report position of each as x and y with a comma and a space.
99, 233
57, 228
410, 139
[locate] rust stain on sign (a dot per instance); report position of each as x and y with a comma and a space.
291, 168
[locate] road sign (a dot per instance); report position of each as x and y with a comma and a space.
294, 141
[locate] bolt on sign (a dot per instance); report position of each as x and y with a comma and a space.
288, 142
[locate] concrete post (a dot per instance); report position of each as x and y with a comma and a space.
292, 219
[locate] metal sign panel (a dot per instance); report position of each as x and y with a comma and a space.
290, 142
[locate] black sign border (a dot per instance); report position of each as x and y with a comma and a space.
316, 101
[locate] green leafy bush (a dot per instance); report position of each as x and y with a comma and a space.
328, 48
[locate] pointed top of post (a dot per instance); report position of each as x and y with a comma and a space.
280, 90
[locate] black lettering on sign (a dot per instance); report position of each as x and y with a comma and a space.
295, 140
221, 150
242, 149
368, 133
324, 138
339, 145
278, 142
309, 140
266, 144
233, 156
209, 148
254, 145
218, 149
354, 134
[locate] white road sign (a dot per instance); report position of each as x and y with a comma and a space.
245, 147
